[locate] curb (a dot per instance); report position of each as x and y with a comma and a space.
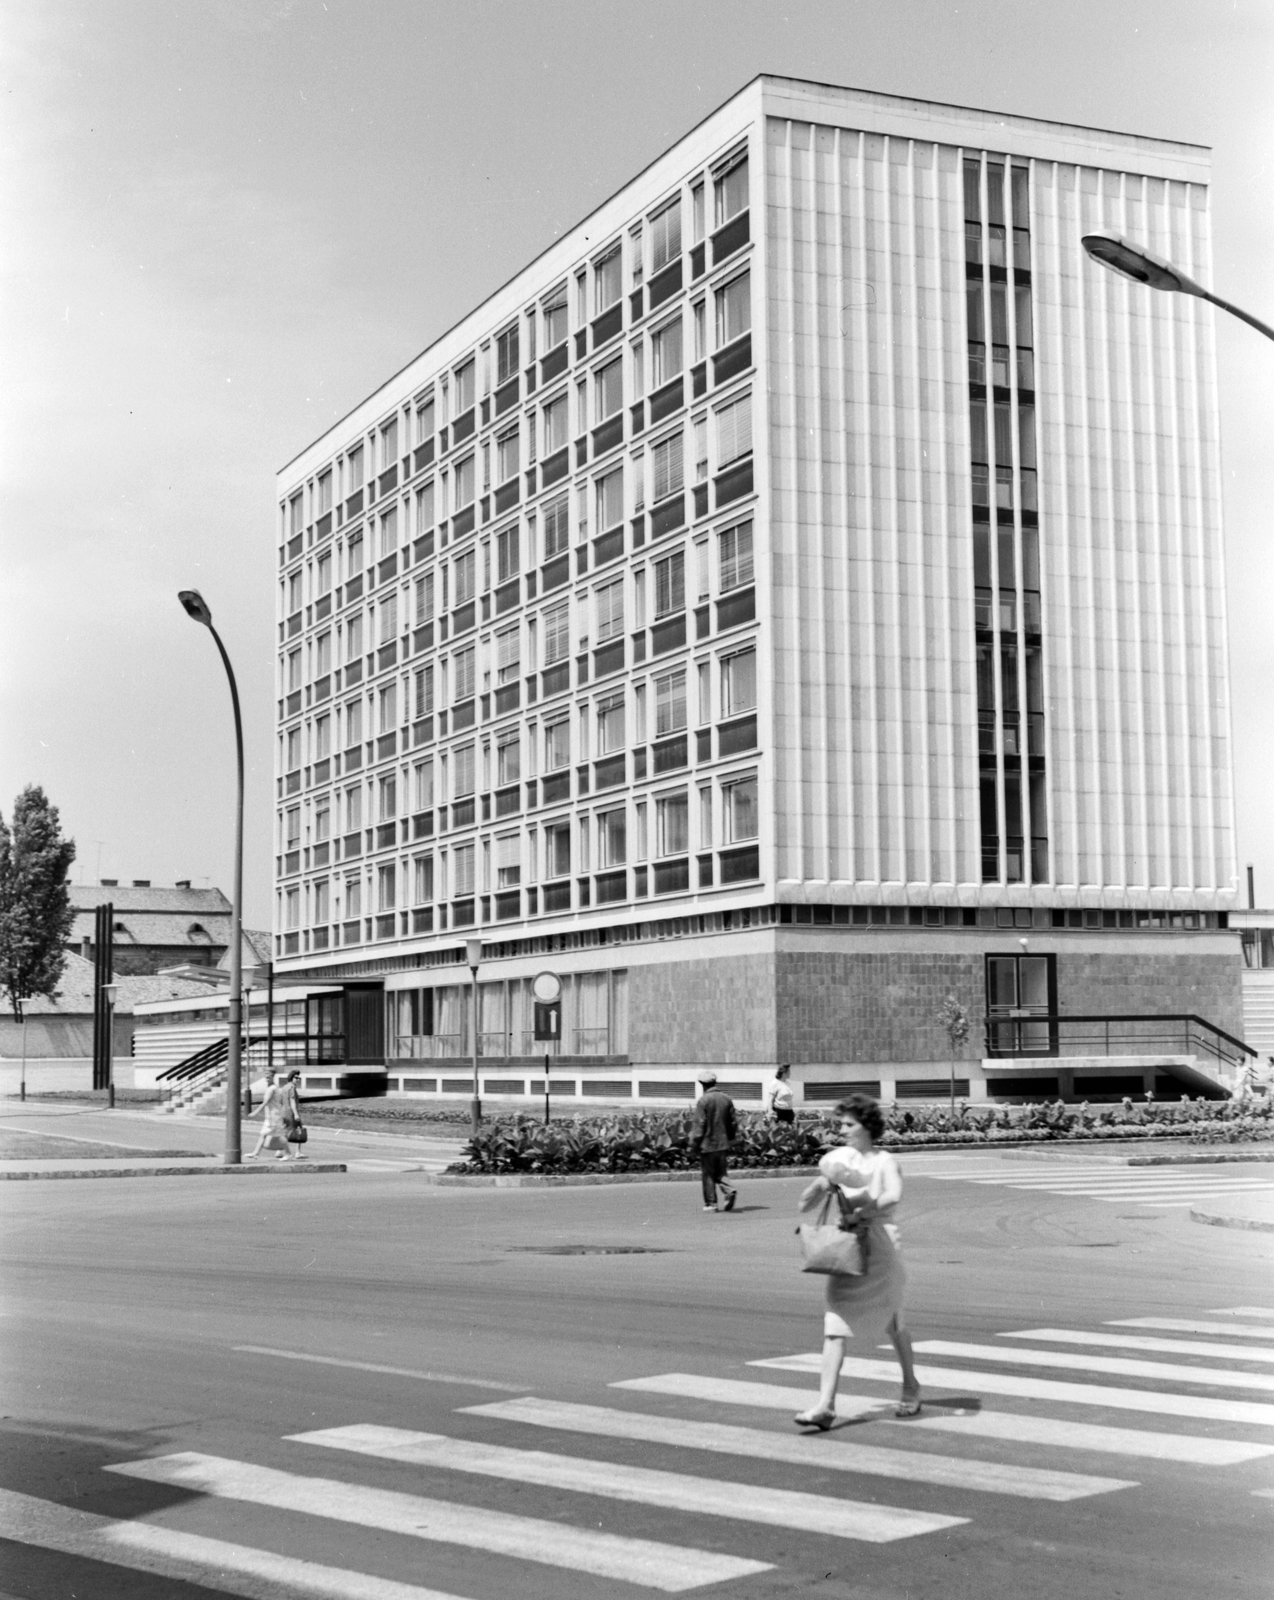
173, 1172
1202, 1157
573, 1180
1218, 1219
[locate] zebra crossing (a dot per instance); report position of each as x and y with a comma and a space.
1159, 1188
1030, 1415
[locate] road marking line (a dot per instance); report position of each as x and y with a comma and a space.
1116, 1366
1183, 1347
675, 1491
1264, 1494
1093, 1436
993, 1477
766, 1396
190, 1557
1191, 1325
994, 1424
671, 1568
373, 1366
1082, 1394
1243, 1311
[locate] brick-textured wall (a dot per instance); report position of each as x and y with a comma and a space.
863, 1007
683, 1011
1175, 979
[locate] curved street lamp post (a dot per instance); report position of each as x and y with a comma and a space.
197, 608
1141, 266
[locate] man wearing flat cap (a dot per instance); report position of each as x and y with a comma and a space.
714, 1131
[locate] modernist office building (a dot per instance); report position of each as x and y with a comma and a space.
793, 598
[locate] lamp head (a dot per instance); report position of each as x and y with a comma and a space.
195, 606
1139, 265
473, 951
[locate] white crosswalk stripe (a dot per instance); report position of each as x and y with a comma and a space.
672, 1568
1243, 1311
1179, 1347
914, 1466
1159, 1187
1120, 1366
1232, 1330
675, 1491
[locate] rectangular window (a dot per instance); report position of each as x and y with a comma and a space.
322, 737
607, 281
354, 555
612, 838
508, 861
425, 508
506, 553
557, 633
670, 584
557, 526
665, 235
463, 766
670, 702
508, 654
608, 389
557, 744
424, 420
292, 909
508, 455
464, 577
294, 669
666, 352
557, 425
462, 483
734, 309
506, 353
322, 821
353, 897
425, 598
424, 879
463, 394
353, 722
387, 618
323, 653
388, 708
354, 468
462, 858
734, 547
668, 466
322, 901
672, 825
557, 849
424, 691
424, 777
324, 493
292, 828
610, 724
555, 317
323, 574
730, 189
508, 757
389, 444
738, 683
388, 798
739, 801
734, 430
609, 607
610, 500
463, 673
353, 809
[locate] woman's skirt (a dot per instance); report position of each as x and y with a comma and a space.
862, 1307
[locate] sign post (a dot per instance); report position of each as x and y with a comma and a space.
546, 991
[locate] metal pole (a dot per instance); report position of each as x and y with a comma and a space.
476, 1107
110, 1050
22, 1086
1251, 888
269, 1017
234, 1136
546, 1088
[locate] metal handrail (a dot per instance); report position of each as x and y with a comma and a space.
1053, 1019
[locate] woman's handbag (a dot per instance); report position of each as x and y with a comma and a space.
297, 1133
836, 1249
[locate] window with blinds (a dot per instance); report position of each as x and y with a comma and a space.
508, 861
607, 280
665, 235
462, 771
506, 353
670, 702
667, 460
508, 654
608, 389
610, 499
666, 352
609, 602
557, 633
734, 430
463, 673
388, 618
610, 724
670, 584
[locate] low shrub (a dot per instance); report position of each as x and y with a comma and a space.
659, 1141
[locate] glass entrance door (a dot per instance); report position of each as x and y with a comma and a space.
1021, 993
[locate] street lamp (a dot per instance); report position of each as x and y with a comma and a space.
1139, 265
109, 991
197, 608
473, 955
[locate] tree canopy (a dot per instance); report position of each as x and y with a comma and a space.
35, 908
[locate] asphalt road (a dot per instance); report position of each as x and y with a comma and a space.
153, 1393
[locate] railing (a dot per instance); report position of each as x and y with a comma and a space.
1047, 1034
288, 1050
205, 1060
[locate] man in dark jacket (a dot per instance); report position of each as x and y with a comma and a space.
715, 1130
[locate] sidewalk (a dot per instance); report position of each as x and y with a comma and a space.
1254, 1212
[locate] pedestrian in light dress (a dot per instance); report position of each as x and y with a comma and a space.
275, 1114
867, 1307
777, 1100
714, 1130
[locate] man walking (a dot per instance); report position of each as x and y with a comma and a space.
714, 1131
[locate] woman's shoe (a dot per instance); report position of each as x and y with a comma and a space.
822, 1420
908, 1406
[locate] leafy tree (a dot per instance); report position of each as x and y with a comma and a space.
35, 908
954, 1017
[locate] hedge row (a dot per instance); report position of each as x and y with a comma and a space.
656, 1141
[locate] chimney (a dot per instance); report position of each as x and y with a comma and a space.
109, 883
182, 883
141, 883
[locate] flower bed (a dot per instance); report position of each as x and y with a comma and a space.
659, 1141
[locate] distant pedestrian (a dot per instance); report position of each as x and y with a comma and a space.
777, 1100
712, 1134
274, 1115
866, 1307
295, 1127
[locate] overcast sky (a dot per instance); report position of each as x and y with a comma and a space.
225, 221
